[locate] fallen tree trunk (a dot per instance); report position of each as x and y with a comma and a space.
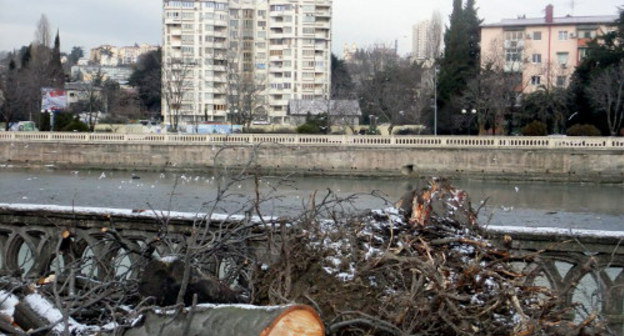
232, 320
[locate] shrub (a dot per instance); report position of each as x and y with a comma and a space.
408, 131
583, 130
309, 128
76, 126
284, 130
535, 128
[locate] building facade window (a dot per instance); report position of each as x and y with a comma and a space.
589, 34
563, 35
536, 80
582, 52
561, 81
563, 58
537, 36
537, 58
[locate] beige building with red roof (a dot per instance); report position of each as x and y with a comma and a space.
544, 50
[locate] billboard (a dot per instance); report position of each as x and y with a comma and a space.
53, 99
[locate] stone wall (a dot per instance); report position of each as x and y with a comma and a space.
535, 164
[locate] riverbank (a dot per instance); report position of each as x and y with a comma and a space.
585, 159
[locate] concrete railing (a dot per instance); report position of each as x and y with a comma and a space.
585, 266
500, 142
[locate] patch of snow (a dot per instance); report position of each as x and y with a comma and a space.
8, 302
128, 213
552, 231
169, 259
264, 267
42, 306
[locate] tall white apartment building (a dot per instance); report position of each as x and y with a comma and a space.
421, 40
210, 46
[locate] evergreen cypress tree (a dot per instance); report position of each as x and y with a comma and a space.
473, 29
452, 67
460, 62
26, 56
57, 75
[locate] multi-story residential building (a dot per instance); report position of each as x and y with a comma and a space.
213, 48
348, 51
420, 40
545, 51
87, 73
108, 55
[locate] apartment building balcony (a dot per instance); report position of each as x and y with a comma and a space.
326, 13
322, 35
278, 24
212, 90
173, 21
275, 58
219, 79
220, 33
175, 32
219, 45
275, 35
219, 23
218, 68
280, 102
323, 24
175, 43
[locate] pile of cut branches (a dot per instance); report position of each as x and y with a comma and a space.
422, 268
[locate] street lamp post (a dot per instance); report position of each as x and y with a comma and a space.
372, 126
473, 112
435, 100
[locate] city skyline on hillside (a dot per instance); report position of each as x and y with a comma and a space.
362, 22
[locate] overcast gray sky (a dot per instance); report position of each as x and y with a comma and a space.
90, 23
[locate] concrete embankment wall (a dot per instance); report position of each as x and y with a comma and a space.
513, 164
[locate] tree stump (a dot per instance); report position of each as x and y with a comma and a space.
232, 320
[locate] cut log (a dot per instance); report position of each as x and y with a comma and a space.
233, 320
34, 312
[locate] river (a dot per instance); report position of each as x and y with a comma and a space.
532, 204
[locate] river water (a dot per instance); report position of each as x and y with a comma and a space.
534, 204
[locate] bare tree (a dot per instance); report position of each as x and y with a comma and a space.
43, 35
490, 95
175, 87
434, 36
396, 94
245, 100
606, 91
15, 88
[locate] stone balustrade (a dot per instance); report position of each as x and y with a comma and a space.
497, 142
585, 266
